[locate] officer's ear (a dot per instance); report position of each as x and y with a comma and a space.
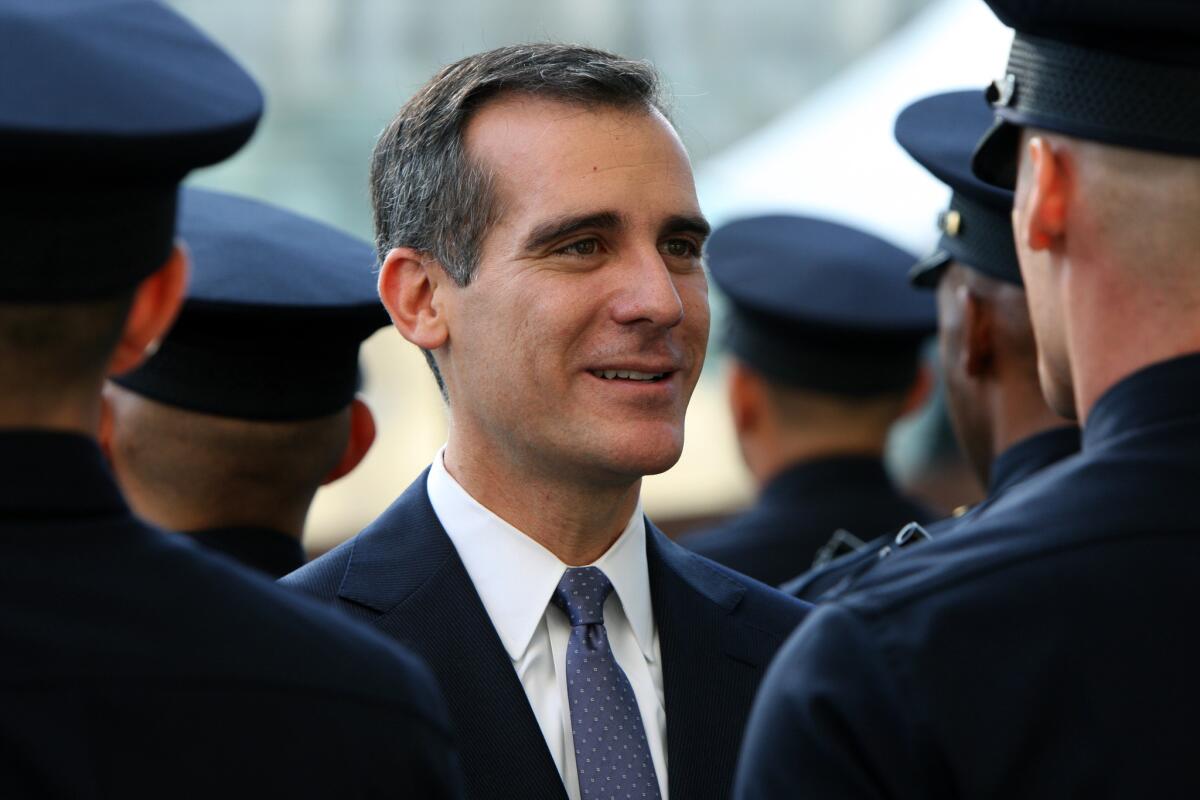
156, 303
1044, 194
978, 334
409, 284
362, 436
107, 423
747, 398
918, 394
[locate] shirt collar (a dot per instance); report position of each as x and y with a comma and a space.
57, 473
827, 473
516, 577
1031, 455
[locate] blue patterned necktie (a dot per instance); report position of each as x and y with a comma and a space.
611, 752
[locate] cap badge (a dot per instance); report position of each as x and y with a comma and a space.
1003, 92
950, 222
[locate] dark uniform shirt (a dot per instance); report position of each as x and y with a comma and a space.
271, 552
800, 509
1018, 463
1044, 652
134, 664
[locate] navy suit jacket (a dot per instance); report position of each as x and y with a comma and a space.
800, 509
717, 630
136, 664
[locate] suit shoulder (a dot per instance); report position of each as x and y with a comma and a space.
321, 577
760, 605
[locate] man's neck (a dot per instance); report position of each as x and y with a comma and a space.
1105, 348
1020, 411
575, 519
182, 509
61, 415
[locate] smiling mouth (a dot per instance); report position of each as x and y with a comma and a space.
628, 375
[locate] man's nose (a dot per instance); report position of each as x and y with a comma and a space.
648, 292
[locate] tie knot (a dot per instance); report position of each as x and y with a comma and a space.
581, 594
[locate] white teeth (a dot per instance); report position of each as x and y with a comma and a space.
626, 374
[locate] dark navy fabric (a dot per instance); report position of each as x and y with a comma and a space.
104, 107
612, 755
819, 305
940, 133
717, 631
134, 664
273, 553
817, 271
779, 536
274, 316
1044, 651
1018, 463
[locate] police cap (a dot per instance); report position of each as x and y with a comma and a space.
1112, 71
105, 105
819, 305
940, 133
274, 316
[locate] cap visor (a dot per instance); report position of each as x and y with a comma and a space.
926, 273
995, 159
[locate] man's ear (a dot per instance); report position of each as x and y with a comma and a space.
105, 432
747, 397
1044, 216
408, 286
156, 303
979, 335
362, 436
918, 393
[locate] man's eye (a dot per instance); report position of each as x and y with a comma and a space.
584, 247
681, 248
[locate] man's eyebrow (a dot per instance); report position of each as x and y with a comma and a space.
548, 232
687, 223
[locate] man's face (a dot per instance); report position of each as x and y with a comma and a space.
964, 401
1042, 279
575, 349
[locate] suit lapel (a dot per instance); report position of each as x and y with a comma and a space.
405, 568
711, 668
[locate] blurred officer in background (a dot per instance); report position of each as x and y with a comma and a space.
248, 406
1047, 651
824, 335
985, 339
541, 240
133, 663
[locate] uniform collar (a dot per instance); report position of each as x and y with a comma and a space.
516, 577
1030, 455
55, 473
1159, 394
270, 551
828, 473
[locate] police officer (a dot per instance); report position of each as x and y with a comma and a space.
133, 664
1047, 651
824, 336
986, 344
248, 406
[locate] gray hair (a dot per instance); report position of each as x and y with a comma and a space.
428, 195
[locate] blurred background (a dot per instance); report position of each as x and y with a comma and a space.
783, 104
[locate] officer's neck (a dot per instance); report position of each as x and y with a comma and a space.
66, 411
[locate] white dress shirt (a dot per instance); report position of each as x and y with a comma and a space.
516, 577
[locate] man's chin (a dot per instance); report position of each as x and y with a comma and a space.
648, 457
